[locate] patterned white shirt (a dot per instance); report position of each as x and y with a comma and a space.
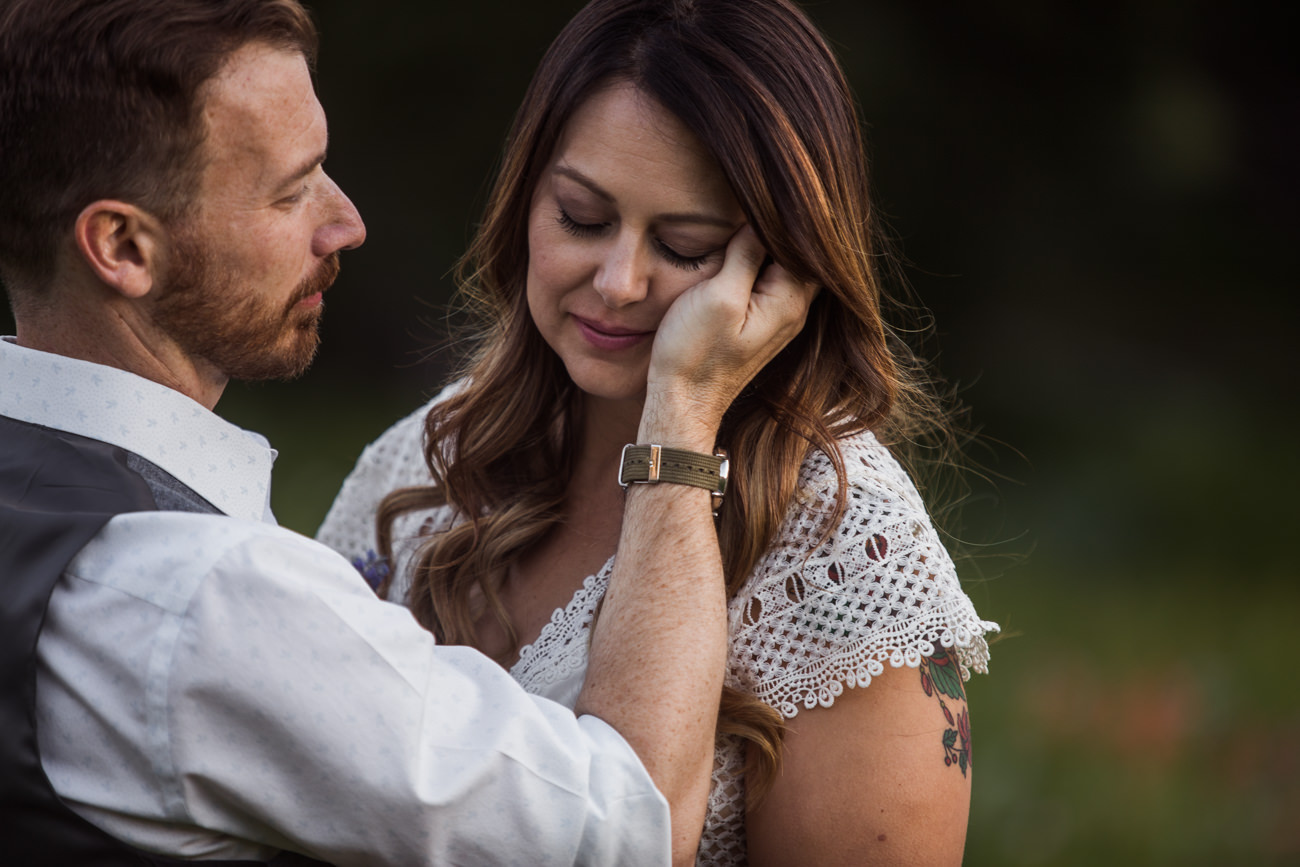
220, 687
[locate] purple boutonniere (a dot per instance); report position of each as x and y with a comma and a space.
373, 568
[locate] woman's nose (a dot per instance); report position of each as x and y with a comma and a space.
623, 276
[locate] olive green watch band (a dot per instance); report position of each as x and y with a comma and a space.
650, 464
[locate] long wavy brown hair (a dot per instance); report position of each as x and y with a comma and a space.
756, 83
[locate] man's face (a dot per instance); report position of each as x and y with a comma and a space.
241, 290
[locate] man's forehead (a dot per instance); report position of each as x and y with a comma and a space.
259, 78
262, 106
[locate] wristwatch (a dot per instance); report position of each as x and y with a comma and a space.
649, 464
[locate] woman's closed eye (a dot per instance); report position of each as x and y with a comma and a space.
580, 230
686, 263
592, 230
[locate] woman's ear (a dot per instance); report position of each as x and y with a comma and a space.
122, 244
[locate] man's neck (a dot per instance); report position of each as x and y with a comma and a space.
114, 337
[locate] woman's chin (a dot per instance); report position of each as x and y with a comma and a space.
606, 385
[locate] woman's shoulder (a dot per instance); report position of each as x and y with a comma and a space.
397, 455
829, 605
872, 478
394, 460
405, 436
872, 502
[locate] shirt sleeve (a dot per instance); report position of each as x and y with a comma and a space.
819, 615
266, 696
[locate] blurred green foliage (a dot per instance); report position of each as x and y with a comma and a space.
1098, 203
1137, 720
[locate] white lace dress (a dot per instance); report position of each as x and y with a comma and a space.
810, 621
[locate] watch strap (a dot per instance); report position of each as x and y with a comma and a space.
650, 463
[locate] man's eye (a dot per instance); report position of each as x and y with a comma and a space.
295, 198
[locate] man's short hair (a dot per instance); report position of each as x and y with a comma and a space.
101, 99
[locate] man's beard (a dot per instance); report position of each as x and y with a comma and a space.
213, 315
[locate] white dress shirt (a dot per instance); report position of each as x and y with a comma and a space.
220, 687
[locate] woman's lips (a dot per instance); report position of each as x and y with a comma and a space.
609, 337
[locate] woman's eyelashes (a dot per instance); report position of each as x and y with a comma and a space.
671, 256
687, 263
580, 230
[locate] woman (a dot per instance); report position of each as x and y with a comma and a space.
654, 134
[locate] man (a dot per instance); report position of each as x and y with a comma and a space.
180, 678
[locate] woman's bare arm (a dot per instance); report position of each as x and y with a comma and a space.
882, 777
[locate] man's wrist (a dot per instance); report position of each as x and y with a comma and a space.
680, 422
651, 464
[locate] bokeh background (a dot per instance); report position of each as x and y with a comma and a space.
1098, 203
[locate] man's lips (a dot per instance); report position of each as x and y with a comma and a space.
311, 289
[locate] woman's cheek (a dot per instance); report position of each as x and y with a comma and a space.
679, 281
555, 260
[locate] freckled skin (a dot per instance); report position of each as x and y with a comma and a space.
239, 293
264, 123
624, 171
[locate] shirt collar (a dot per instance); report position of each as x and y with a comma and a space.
226, 465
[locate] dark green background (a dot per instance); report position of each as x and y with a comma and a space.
1098, 202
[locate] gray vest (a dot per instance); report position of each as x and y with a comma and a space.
57, 490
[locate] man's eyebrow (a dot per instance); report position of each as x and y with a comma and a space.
308, 166
688, 217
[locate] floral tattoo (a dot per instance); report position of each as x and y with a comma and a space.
940, 674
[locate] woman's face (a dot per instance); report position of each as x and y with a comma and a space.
630, 213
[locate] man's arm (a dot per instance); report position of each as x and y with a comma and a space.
229, 688
659, 647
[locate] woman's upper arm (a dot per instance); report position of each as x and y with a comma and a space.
881, 777
862, 644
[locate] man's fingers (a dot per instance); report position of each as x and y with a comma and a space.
720, 333
784, 300
745, 254
740, 269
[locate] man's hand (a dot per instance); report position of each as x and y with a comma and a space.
715, 337
659, 648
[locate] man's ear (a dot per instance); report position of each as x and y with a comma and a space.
123, 245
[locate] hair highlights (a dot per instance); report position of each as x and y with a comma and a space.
756, 83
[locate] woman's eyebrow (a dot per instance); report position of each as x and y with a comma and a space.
685, 217
578, 177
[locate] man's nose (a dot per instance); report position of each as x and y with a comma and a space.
343, 229
623, 276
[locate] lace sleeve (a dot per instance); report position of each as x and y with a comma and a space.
395, 460
812, 620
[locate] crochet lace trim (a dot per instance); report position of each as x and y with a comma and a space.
816, 616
